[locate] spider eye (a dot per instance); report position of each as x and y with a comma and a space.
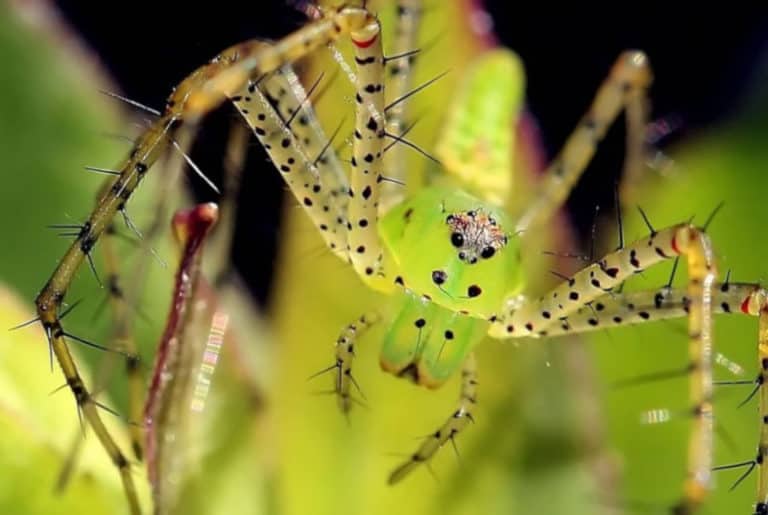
488, 252
457, 239
462, 256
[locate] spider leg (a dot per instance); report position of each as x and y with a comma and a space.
399, 69
344, 381
458, 420
532, 317
310, 187
625, 88
195, 96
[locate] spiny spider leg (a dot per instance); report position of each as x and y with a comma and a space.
306, 182
122, 336
195, 96
458, 420
362, 246
614, 310
400, 73
761, 506
522, 317
625, 88
345, 354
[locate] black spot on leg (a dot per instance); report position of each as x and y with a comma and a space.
419, 323
726, 307
574, 295
589, 123
372, 125
439, 277
87, 243
307, 201
120, 461
78, 390
474, 290
367, 192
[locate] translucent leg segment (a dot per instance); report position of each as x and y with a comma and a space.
625, 88
400, 73
308, 185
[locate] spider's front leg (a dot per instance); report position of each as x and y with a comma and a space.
536, 317
348, 226
194, 97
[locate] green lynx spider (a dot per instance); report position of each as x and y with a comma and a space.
449, 257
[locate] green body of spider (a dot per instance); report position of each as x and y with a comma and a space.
455, 253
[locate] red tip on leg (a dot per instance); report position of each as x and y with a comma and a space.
366, 43
745, 306
673, 243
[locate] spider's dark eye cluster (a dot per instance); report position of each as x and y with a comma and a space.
457, 239
487, 252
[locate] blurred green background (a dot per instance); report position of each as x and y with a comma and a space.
551, 436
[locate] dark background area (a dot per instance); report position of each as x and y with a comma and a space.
703, 61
